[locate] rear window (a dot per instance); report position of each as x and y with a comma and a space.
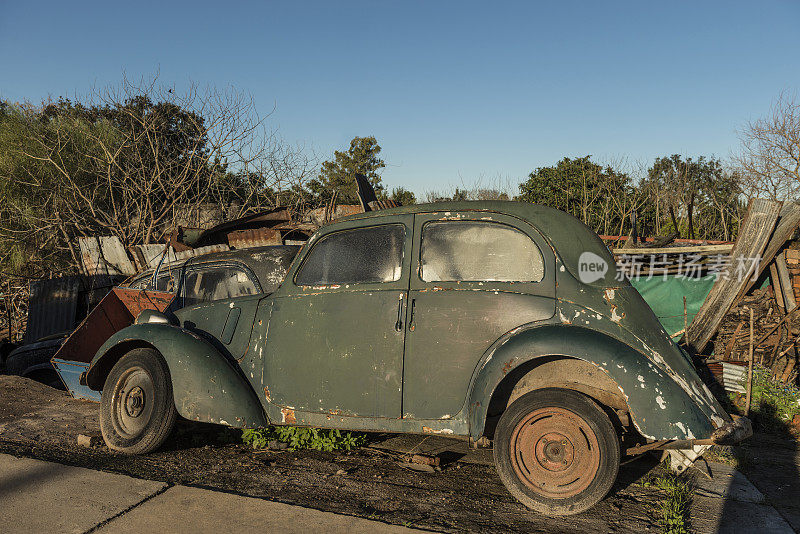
455, 251
216, 283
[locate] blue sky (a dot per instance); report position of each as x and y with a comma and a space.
452, 90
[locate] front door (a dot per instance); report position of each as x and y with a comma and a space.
337, 326
478, 276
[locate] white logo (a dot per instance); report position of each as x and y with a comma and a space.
591, 267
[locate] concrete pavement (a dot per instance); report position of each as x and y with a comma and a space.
37, 497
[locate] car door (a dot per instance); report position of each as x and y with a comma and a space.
479, 275
336, 329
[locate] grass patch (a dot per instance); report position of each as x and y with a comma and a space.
773, 404
672, 512
304, 438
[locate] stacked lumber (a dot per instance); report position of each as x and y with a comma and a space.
723, 320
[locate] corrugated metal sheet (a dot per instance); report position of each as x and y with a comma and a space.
52, 307
257, 237
376, 205
105, 255
320, 216
148, 256
733, 377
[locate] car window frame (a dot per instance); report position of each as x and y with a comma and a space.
190, 266
546, 286
407, 232
481, 222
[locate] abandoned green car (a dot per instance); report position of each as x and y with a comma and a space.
496, 320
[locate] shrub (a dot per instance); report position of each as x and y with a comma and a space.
304, 438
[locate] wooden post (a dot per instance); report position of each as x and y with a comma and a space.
685, 320
749, 369
9, 302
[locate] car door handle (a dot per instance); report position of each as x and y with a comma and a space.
399, 324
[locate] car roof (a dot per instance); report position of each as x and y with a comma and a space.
568, 236
268, 263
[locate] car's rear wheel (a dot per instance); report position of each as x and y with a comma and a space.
137, 412
556, 451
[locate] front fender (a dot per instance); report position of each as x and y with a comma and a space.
659, 407
206, 386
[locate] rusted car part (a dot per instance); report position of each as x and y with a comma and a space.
730, 434
116, 311
450, 319
558, 453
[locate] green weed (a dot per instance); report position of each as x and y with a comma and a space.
773, 404
672, 512
304, 438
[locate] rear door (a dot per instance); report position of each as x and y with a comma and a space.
477, 276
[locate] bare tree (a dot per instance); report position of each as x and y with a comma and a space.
769, 159
134, 157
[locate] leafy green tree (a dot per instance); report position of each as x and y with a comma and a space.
403, 196
601, 197
338, 175
698, 197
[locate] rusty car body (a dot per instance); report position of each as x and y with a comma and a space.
469, 319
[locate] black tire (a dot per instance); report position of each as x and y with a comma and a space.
556, 451
137, 411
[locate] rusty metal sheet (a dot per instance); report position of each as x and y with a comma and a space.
105, 255
320, 216
148, 256
257, 237
208, 249
376, 205
264, 219
116, 311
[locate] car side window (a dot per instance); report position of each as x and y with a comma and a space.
478, 251
216, 283
164, 282
361, 255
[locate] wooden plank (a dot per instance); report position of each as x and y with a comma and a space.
104, 255
786, 282
775, 282
788, 221
718, 249
754, 235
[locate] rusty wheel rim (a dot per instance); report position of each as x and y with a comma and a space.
555, 452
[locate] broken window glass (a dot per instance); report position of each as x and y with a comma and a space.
216, 283
478, 251
363, 255
164, 282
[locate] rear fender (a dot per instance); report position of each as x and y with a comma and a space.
658, 407
206, 386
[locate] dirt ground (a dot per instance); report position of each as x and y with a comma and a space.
40, 422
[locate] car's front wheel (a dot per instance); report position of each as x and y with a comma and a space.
556, 451
137, 412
